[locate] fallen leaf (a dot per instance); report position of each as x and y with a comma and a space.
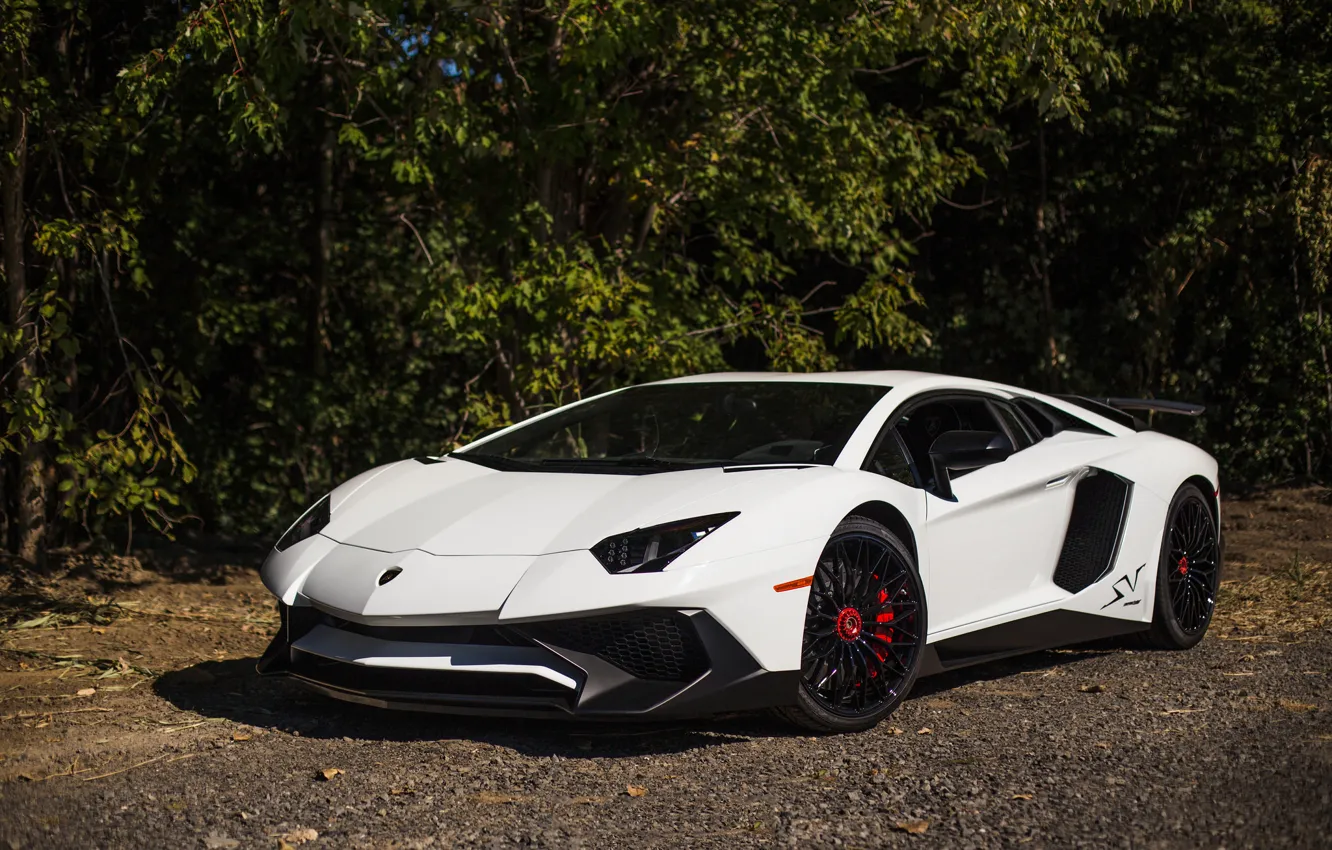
329, 772
98, 631
1022, 796
492, 798
85, 692
1291, 705
896, 731
925, 731
299, 836
241, 736
915, 827
1102, 745
1092, 689
635, 790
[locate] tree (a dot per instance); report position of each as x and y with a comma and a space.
582, 194
82, 440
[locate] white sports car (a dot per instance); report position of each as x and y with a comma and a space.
811, 543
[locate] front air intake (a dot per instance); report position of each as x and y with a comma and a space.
1100, 507
656, 645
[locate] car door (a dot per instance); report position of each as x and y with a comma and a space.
994, 545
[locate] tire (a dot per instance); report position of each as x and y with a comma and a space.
864, 631
1188, 574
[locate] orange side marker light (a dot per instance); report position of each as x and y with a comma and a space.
794, 585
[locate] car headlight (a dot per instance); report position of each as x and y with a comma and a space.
311, 523
649, 550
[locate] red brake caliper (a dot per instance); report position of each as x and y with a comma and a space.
885, 630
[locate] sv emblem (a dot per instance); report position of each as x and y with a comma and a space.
1130, 583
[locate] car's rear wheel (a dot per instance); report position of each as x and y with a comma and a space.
1189, 572
864, 630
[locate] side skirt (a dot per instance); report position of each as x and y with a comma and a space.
1032, 634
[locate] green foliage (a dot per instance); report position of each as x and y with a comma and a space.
350, 232
76, 385
1187, 234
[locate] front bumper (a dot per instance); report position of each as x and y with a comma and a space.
648, 663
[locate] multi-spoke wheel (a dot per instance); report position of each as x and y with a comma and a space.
1189, 573
864, 630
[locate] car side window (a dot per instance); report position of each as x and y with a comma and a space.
1050, 421
1017, 429
920, 426
890, 460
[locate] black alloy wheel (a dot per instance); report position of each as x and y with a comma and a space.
864, 630
1189, 572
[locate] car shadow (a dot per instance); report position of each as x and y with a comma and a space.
233, 690
1029, 663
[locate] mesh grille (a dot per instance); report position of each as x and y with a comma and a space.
648, 645
1093, 531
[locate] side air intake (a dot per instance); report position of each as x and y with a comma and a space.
1100, 506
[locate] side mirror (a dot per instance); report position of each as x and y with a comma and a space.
965, 450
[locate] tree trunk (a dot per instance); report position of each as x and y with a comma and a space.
27, 479
1047, 299
316, 332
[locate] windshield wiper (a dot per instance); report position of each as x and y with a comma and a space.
505, 464
630, 462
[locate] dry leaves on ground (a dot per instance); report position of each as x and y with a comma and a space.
915, 827
1094, 688
495, 799
635, 791
1023, 796
298, 836
328, 773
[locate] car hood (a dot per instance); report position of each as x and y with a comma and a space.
455, 507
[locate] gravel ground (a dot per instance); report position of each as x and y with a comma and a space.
130, 716
1228, 745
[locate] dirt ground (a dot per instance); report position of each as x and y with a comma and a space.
130, 716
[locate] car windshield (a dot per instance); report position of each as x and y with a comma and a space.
676, 426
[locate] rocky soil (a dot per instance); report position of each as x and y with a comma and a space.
130, 717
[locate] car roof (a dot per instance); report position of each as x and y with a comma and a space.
895, 378
904, 383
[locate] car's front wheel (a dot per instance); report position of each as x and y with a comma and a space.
864, 630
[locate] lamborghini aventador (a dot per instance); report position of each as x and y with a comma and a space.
807, 543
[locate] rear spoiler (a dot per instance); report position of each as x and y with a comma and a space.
1154, 405
1121, 409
